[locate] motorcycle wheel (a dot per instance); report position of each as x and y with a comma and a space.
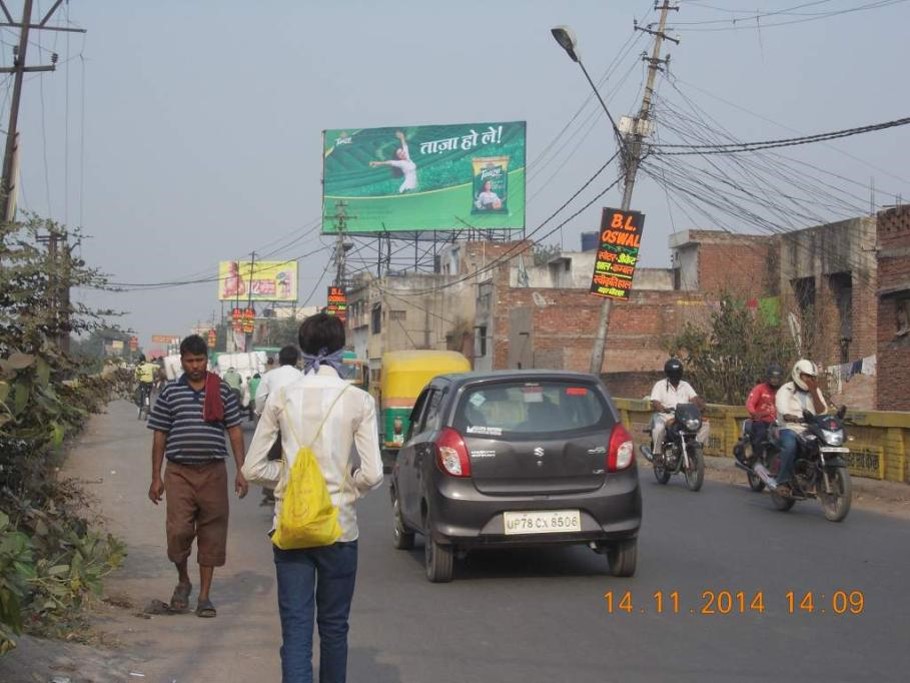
836, 505
661, 473
695, 475
781, 503
755, 482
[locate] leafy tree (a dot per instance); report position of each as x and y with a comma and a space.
726, 357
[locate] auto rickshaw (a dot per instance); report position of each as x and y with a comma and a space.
404, 374
354, 371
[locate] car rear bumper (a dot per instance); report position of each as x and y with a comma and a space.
461, 515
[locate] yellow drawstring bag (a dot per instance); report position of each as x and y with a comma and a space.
308, 518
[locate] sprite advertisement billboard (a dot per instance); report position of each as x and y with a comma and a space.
413, 178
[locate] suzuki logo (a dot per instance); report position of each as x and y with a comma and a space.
538, 452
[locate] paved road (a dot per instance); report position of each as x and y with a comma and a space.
533, 616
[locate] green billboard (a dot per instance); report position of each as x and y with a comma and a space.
409, 178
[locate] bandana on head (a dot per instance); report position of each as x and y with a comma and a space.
333, 360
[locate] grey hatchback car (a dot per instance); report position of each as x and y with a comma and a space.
516, 458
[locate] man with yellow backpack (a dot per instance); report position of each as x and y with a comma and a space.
321, 418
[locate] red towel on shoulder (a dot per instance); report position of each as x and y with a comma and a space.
213, 406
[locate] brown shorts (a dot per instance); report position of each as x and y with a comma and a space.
197, 507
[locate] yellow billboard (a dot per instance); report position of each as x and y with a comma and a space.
263, 281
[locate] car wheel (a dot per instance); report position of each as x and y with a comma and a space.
622, 557
438, 558
401, 537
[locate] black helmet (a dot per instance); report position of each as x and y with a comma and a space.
775, 375
673, 369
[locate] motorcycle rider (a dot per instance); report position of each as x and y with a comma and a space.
665, 396
800, 394
762, 408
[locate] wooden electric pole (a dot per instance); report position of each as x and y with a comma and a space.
631, 157
19, 69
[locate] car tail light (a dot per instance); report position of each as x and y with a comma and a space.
621, 454
452, 454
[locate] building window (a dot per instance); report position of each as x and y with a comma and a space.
902, 317
400, 316
481, 345
376, 326
842, 291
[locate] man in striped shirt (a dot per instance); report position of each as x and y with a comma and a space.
190, 432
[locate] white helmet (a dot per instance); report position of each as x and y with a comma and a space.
803, 367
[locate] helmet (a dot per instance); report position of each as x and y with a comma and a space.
775, 375
803, 367
673, 369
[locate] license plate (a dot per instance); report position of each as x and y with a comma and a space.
834, 449
549, 522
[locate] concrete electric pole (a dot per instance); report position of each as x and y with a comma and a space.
631, 157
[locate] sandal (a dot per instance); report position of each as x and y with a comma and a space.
180, 600
206, 609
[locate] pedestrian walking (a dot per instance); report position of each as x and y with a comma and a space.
321, 412
189, 420
287, 373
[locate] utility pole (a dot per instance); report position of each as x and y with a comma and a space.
341, 247
19, 69
631, 157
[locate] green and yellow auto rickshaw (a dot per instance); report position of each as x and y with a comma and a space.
404, 374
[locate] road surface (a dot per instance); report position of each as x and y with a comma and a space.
538, 615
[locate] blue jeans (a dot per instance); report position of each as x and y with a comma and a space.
320, 580
787, 455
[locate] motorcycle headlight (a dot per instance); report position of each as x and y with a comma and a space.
693, 425
833, 437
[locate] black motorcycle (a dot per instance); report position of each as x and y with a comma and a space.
680, 452
819, 471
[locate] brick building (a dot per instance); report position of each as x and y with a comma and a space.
893, 309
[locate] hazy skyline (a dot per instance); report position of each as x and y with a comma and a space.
202, 125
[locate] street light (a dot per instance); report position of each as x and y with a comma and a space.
565, 36
566, 39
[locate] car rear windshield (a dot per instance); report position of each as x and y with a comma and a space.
531, 408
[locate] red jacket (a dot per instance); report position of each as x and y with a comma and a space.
760, 403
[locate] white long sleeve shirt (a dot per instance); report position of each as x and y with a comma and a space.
791, 400
297, 410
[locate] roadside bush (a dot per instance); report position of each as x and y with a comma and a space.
51, 558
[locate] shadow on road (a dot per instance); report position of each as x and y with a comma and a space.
363, 666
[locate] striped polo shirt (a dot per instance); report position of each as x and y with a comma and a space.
190, 439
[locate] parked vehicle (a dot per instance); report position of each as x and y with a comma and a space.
516, 458
404, 374
680, 453
355, 371
820, 470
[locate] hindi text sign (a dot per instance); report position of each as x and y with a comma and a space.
620, 240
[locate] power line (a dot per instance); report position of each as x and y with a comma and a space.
732, 148
879, 4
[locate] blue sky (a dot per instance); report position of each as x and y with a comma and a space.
202, 119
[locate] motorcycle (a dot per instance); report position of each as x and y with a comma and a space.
680, 452
819, 471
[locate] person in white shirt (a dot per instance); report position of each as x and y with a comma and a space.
403, 164
286, 373
800, 394
487, 200
322, 411
665, 396
271, 383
